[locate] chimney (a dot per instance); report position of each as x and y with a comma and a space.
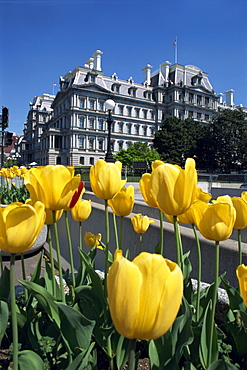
147, 73
220, 98
97, 60
89, 63
165, 69
229, 98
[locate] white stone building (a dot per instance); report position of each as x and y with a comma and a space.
70, 128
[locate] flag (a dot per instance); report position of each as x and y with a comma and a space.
175, 42
54, 84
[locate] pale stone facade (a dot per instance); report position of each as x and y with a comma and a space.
70, 128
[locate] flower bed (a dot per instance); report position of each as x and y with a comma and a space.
146, 311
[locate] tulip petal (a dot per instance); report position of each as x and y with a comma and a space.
159, 303
124, 276
3, 235
21, 229
241, 272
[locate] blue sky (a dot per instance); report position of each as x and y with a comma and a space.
42, 40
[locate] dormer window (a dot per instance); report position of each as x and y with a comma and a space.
147, 95
91, 77
132, 91
116, 88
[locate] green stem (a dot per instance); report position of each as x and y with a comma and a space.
140, 244
109, 349
131, 358
58, 256
23, 267
115, 229
214, 300
80, 236
107, 233
1, 261
24, 274
51, 260
199, 272
13, 312
70, 248
121, 232
161, 233
239, 248
177, 239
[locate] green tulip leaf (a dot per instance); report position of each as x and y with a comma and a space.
45, 299
238, 331
75, 327
186, 267
158, 248
30, 360
96, 281
36, 274
222, 365
189, 366
89, 302
5, 284
4, 315
205, 296
81, 274
174, 341
204, 351
48, 282
110, 258
235, 299
82, 361
122, 351
21, 319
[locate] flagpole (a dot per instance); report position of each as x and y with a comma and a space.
176, 50
53, 88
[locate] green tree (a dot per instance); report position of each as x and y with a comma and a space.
177, 140
136, 152
228, 138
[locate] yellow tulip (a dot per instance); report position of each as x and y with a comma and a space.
174, 188
144, 295
242, 280
215, 221
141, 223
82, 210
75, 197
123, 202
24, 170
49, 216
92, 240
223, 199
48, 213
20, 225
145, 190
244, 195
241, 212
201, 195
201, 200
52, 185
105, 179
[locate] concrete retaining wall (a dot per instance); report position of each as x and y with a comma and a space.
96, 224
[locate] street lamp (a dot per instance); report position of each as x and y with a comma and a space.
109, 106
